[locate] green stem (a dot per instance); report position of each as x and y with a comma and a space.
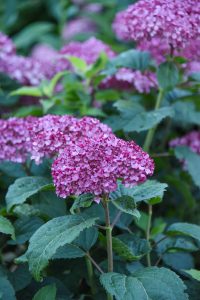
146, 147
148, 234
90, 275
108, 241
151, 132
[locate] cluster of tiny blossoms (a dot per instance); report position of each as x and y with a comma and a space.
14, 144
173, 21
94, 165
191, 140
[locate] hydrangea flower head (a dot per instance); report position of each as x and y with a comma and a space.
6, 45
174, 21
94, 165
15, 143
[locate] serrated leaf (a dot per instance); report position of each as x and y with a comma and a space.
47, 292
167, 75
185, 113
23, 188
51, 236
129, 247
68, 251
123, 287
187, 229
161, 283
127, 205
87, 238
151, 191
6, 227
193, 273
84, 200
146, 120
192, 162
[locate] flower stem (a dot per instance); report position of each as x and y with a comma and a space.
108, 240
146, 147
90, 275
151, 132
148, 234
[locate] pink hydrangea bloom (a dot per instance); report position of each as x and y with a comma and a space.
78, 26
93, 166
191, 140
14, 139
127, 78
174, 21
120, 27
6, 45
50, 134
88, 50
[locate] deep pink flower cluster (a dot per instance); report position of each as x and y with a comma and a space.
50, 134
14, 139
173, 21
93, 166
191, 140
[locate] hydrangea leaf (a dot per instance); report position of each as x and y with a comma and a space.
146, 120
84, 200
47, 292
188, 229
194, 274
192, 162
7, 227
185, 113
23, 188
68, 251
51, 236
6, 289
129, 247
123, 287
167, 75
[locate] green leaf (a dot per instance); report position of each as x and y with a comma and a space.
178, 260
6, 227
193, 273
129, 247
146, 120
123, 287
161, 283
167, 75
192, 162
28, 91
68, 251
23, 188
127, 205
12, 169
78, 63
31, 34
52, 235
151, 191
97, 66
187, 229
20, 278
185, 113
132, 59
81, 201
47, 292
87, 238
6, 289
25, 227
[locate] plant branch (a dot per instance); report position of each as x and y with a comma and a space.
94, 263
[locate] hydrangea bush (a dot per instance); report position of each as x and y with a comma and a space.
100, 150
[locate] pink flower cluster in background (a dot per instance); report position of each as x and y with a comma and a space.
191, 140
173, 21
14, 143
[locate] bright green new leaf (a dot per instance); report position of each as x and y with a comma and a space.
81, 201
51, 236
28, 91
194, 274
